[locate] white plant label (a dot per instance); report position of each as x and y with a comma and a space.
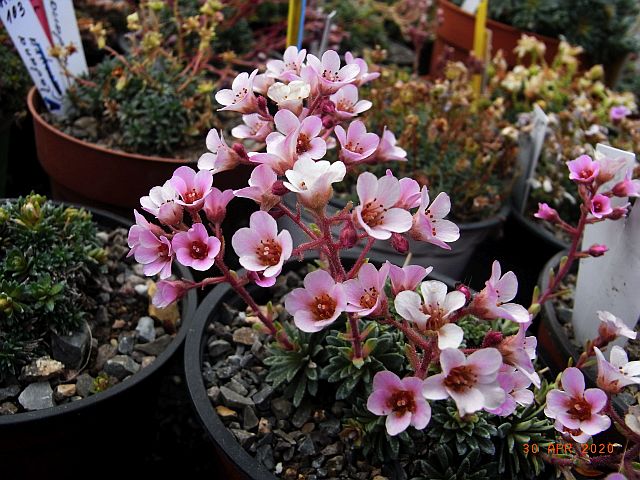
610, 282
470, 6
530, 149
29, 38
64, 32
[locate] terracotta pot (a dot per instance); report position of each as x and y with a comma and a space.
456, 30
101, 177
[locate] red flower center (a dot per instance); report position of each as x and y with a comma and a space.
586, 173
402, 401
323, 307
199, 250
597, 207
303, 144
369, 298
354, 147
373, 213
192, 196
460, 379
269, 252
163, 250
579, 409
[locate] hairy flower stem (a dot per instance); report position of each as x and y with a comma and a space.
239, 288
409, 332
363, 255
571, 256
296, 219
356, 337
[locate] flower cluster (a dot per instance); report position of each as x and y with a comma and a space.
295, 112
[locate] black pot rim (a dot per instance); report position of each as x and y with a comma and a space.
188, 308
538, 230
194, 348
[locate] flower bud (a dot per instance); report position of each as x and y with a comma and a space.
545, 212
597, 250
492, 339
348, 235
262, 104
328, 106
279, 189
400, 243
461, 287
328, 121
239, 149
617, 213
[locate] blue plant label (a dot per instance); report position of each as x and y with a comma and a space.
31, 42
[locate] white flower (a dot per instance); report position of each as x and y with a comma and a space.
312, 181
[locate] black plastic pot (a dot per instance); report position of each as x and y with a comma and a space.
85, 433
234, 461
451, 263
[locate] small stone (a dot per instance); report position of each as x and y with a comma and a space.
317, 462
84, 383
285, 436
308, 428
264, 454
331, 449
290, 474
331, 426
105, 352
214, 394
237, 387
217, 348
264, 426
335, 465
319, 415
225, 412
141, 290
65, 390
233, 399
278, 469
126, 342
103, 237
43, 368
281, 408
301, 416
228, 371
159, 332
87, 127
147, 360
380, 477
121, 366
209, 376
245, 336
8, 408
71, 349
37, 396
11, 391
146, 330
244, 437
249, 420
307, 447
103, 298
156, 347
262, 395
118, 324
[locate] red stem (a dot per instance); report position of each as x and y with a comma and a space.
356, 266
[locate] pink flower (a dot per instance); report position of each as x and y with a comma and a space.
240, 97
215, 205
302, 139
583, 169
278, 156
388, 150
600, 206
429, 224
312, 181
615, 476
491, 302
260, 188
261, 249
410, 194
365, 294
261, 83
619, 112
376, 213
627, 187
253, 128
287, 69
155, 253
192, 187
575, 408
611, 327
219, 157
434, 313
329, 74
142, 225
400, 400
516, 386
545, 212
347, 104
597, 250
618, 372
363, 76
356, 144
519, 351
161, 203
168, 292
471, 381
407, 277
318, 304
290, 96
195, 248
